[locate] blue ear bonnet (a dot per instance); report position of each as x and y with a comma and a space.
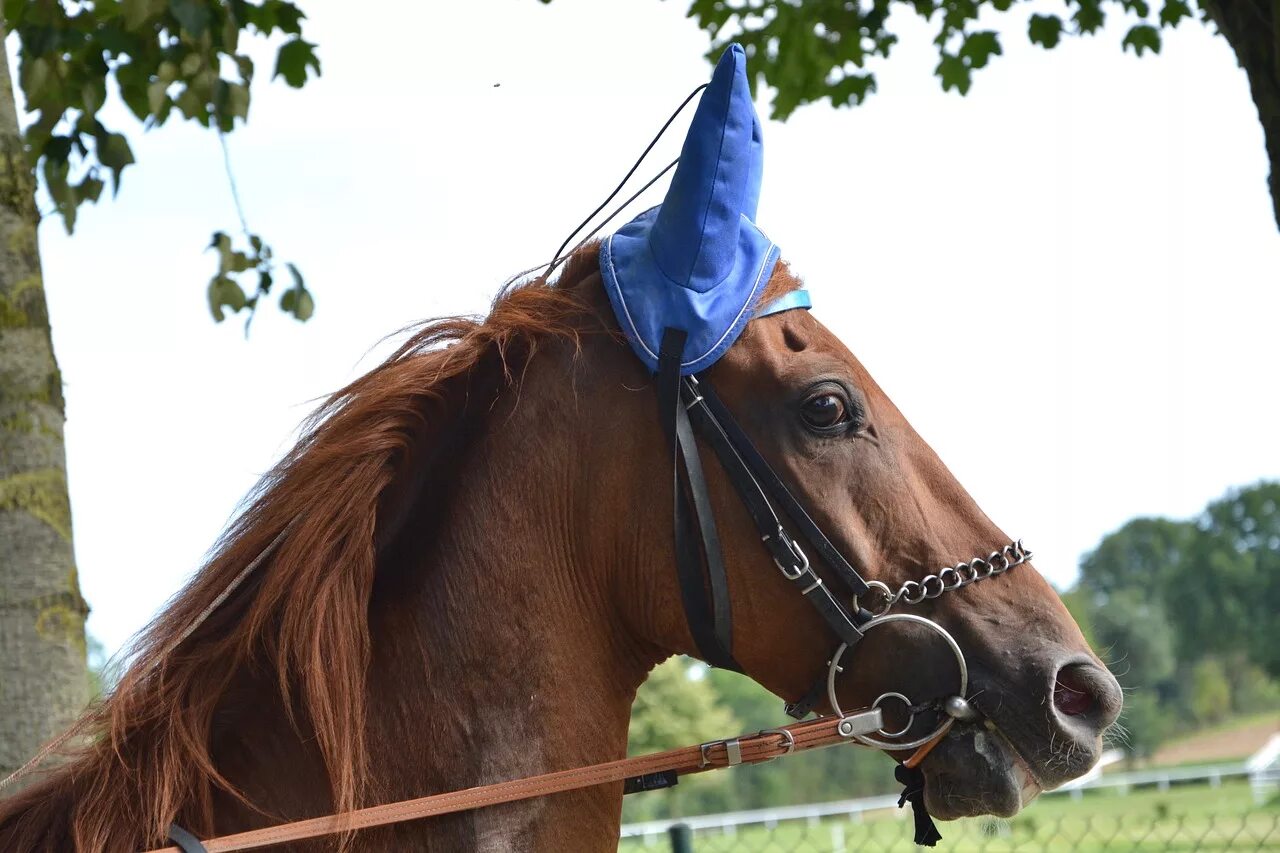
697, 262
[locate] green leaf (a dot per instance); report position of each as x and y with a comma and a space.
114, 153
306, 306
38, 74
288, 17
89, 189
1142, 37
138, 12
297, 300
92, 94
954, 73
979, 47
193, 15
292, 61
1045, 30
157, 94
57, 149
223, 292
853, 89
1002, 5
62, 193
1173, 12
245, 66
1089, 17
238, 100
190, 105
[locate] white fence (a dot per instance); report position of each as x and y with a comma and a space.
1262, 770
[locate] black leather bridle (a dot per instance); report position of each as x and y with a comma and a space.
690, 407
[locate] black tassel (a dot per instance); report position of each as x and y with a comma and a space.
912, 781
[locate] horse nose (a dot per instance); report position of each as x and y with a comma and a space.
1086, 698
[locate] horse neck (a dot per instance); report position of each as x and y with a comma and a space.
498, 648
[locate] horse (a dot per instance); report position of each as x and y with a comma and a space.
472, 576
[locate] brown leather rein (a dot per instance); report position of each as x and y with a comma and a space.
714, 755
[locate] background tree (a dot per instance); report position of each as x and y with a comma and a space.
161, 58
676, 707
1184, 611
1228, 592
821, 49
1144, 552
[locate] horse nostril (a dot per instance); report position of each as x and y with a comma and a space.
1087, 693
1071, 695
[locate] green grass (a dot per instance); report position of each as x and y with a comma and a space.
1182, 819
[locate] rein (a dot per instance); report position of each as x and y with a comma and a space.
645, 772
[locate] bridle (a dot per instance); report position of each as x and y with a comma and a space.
690, 405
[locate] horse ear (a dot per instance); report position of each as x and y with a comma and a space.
697, 262
695, 237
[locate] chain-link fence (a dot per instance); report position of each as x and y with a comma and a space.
1224, 817
1258, 831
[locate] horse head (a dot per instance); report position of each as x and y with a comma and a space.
809, 445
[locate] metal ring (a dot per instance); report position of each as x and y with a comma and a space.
911, 715
924, 586
883, 589
954, 573
833, 668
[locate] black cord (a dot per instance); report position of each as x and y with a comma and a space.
556, 258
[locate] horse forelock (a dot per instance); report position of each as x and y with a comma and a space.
145, 753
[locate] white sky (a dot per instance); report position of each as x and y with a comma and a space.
1067, 280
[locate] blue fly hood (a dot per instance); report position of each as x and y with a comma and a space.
697, 262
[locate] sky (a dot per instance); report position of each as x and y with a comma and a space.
1066, 280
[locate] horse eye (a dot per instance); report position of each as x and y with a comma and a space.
825, 411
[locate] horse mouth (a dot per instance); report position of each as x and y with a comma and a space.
975, 770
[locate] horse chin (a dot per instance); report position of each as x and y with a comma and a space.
974, 771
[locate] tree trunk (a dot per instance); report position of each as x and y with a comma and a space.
1252, 27
43, 680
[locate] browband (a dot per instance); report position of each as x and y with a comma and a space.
786, 302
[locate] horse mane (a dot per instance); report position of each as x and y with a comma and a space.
145, 750
321, 520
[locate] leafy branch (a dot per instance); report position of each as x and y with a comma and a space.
821, 48
163, 55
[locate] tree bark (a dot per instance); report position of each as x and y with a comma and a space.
44, 684
1252, 28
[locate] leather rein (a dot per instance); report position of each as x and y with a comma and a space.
690, 408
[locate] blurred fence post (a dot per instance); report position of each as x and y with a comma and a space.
681, 838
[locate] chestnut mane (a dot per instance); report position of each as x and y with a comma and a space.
145, 753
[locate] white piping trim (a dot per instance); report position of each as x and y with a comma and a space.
635, 333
